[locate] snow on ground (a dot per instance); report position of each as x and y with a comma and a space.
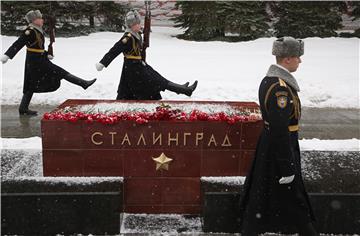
228, 180
160, 224
21, 143
328, 76
330, 145
89, 180
305, 144
21, 163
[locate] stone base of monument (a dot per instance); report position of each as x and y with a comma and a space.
49, 206
161, 159
330, 177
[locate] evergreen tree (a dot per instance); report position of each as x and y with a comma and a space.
72, 17
307, 19
112, 15
210, 20
355, 13
248, 19
13, 13
200, 19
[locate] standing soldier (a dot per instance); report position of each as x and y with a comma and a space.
139, 81
274, 192
41, 75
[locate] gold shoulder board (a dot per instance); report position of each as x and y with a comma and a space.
282, 83
124, 40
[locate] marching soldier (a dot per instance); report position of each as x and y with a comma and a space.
138, 81
41, 75
274, 192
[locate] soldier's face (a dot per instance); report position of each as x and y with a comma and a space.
293, 63
38, 22
136, 27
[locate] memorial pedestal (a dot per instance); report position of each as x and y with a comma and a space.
161, 161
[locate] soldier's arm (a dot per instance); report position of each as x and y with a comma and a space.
19, 43
279, 111
119, 47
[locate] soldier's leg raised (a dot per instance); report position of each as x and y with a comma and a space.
24, 105
183, 89
78, 81
167, 84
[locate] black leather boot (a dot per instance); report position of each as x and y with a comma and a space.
183, 89
78, 81
24, 105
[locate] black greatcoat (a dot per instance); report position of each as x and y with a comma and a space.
266, 205
138, 81
41, 75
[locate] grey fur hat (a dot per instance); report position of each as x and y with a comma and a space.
132, 18
288, 47
32, 15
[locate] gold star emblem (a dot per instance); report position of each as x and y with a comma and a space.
162, 162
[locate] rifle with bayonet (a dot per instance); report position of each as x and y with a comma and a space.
147, 29
51, 31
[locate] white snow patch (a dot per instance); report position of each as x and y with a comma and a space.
72, 180
228, 180
21, 143
15, 163
328, 75
160, 224
330, 145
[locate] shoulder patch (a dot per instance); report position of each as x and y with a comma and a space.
282, 83
124, 40
30, 27
27, 32
128, 34
282, 101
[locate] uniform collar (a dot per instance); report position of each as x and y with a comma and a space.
37, 27
136, 35
281, 67
276, 70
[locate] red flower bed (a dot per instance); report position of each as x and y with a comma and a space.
161, 113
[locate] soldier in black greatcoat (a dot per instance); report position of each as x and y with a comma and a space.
274, 193
41, 75
138, 81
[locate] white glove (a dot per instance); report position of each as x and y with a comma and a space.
99, 66
4, 58
50, 57
287, 179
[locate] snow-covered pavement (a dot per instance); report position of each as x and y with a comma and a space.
328, 76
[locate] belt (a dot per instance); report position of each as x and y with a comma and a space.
35, 50
133, 57
292, 128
